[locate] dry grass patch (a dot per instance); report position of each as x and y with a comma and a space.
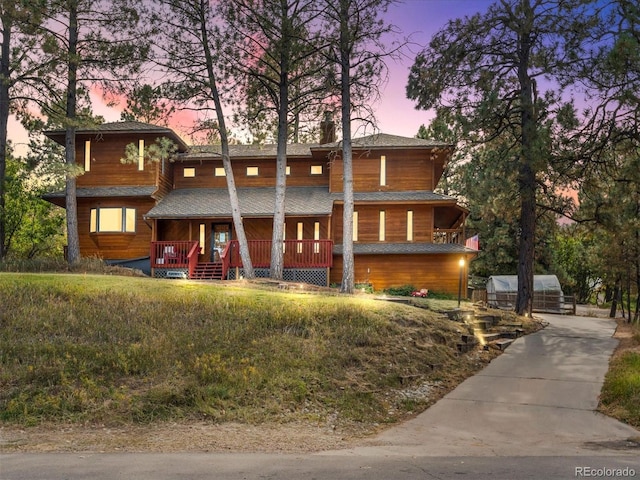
106, 352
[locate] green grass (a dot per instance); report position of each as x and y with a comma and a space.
620, 397
117, 350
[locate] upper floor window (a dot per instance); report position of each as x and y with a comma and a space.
355, 226
288, 170
112, 220
87, 156
219, 172
252, 171
189, 172
316, 169
409, 225
140, 155
383, 226
383, 170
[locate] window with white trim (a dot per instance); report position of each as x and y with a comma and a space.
355, 226
253, 171
189, 172
112, 220
383, 227
316, 169
87, 155
140, 155
409, 225
383, 170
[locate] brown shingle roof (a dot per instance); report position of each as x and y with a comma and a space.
120, 127
254, 202
384, 140
403, 248
403, 196
201, 152
98, 192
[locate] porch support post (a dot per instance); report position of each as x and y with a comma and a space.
154, 238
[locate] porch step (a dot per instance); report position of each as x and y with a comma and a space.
208, 271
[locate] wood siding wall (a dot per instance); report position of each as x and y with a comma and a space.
406, 170
114, 246
205, 173
438, 273
164, 179
396, 223
106, 168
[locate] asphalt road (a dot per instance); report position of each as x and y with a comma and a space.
529, 414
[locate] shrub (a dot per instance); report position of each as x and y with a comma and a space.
402, 291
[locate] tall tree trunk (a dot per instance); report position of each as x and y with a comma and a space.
238, 224
348, 268
526, 176
73, 242
4, 120
614, 299
628, 294
277, 238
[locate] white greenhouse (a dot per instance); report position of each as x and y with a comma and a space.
547, 293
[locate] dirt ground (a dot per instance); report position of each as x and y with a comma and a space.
624, 334
190, 437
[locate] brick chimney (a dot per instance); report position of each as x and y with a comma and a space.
327, 129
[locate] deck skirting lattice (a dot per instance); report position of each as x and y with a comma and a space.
312, 276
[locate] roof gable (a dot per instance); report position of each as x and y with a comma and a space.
120, 128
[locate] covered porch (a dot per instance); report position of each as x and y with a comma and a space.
304, 260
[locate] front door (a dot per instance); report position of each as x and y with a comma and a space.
219, 239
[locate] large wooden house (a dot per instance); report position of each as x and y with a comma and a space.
173, 218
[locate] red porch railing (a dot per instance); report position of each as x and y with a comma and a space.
297, 253
174, 254
192, 258
225, 257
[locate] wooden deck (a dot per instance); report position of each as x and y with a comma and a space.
182, 256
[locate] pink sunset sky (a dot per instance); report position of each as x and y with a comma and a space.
417, 19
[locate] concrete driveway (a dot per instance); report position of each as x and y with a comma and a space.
537, 399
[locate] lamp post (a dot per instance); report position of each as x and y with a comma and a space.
461, 263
